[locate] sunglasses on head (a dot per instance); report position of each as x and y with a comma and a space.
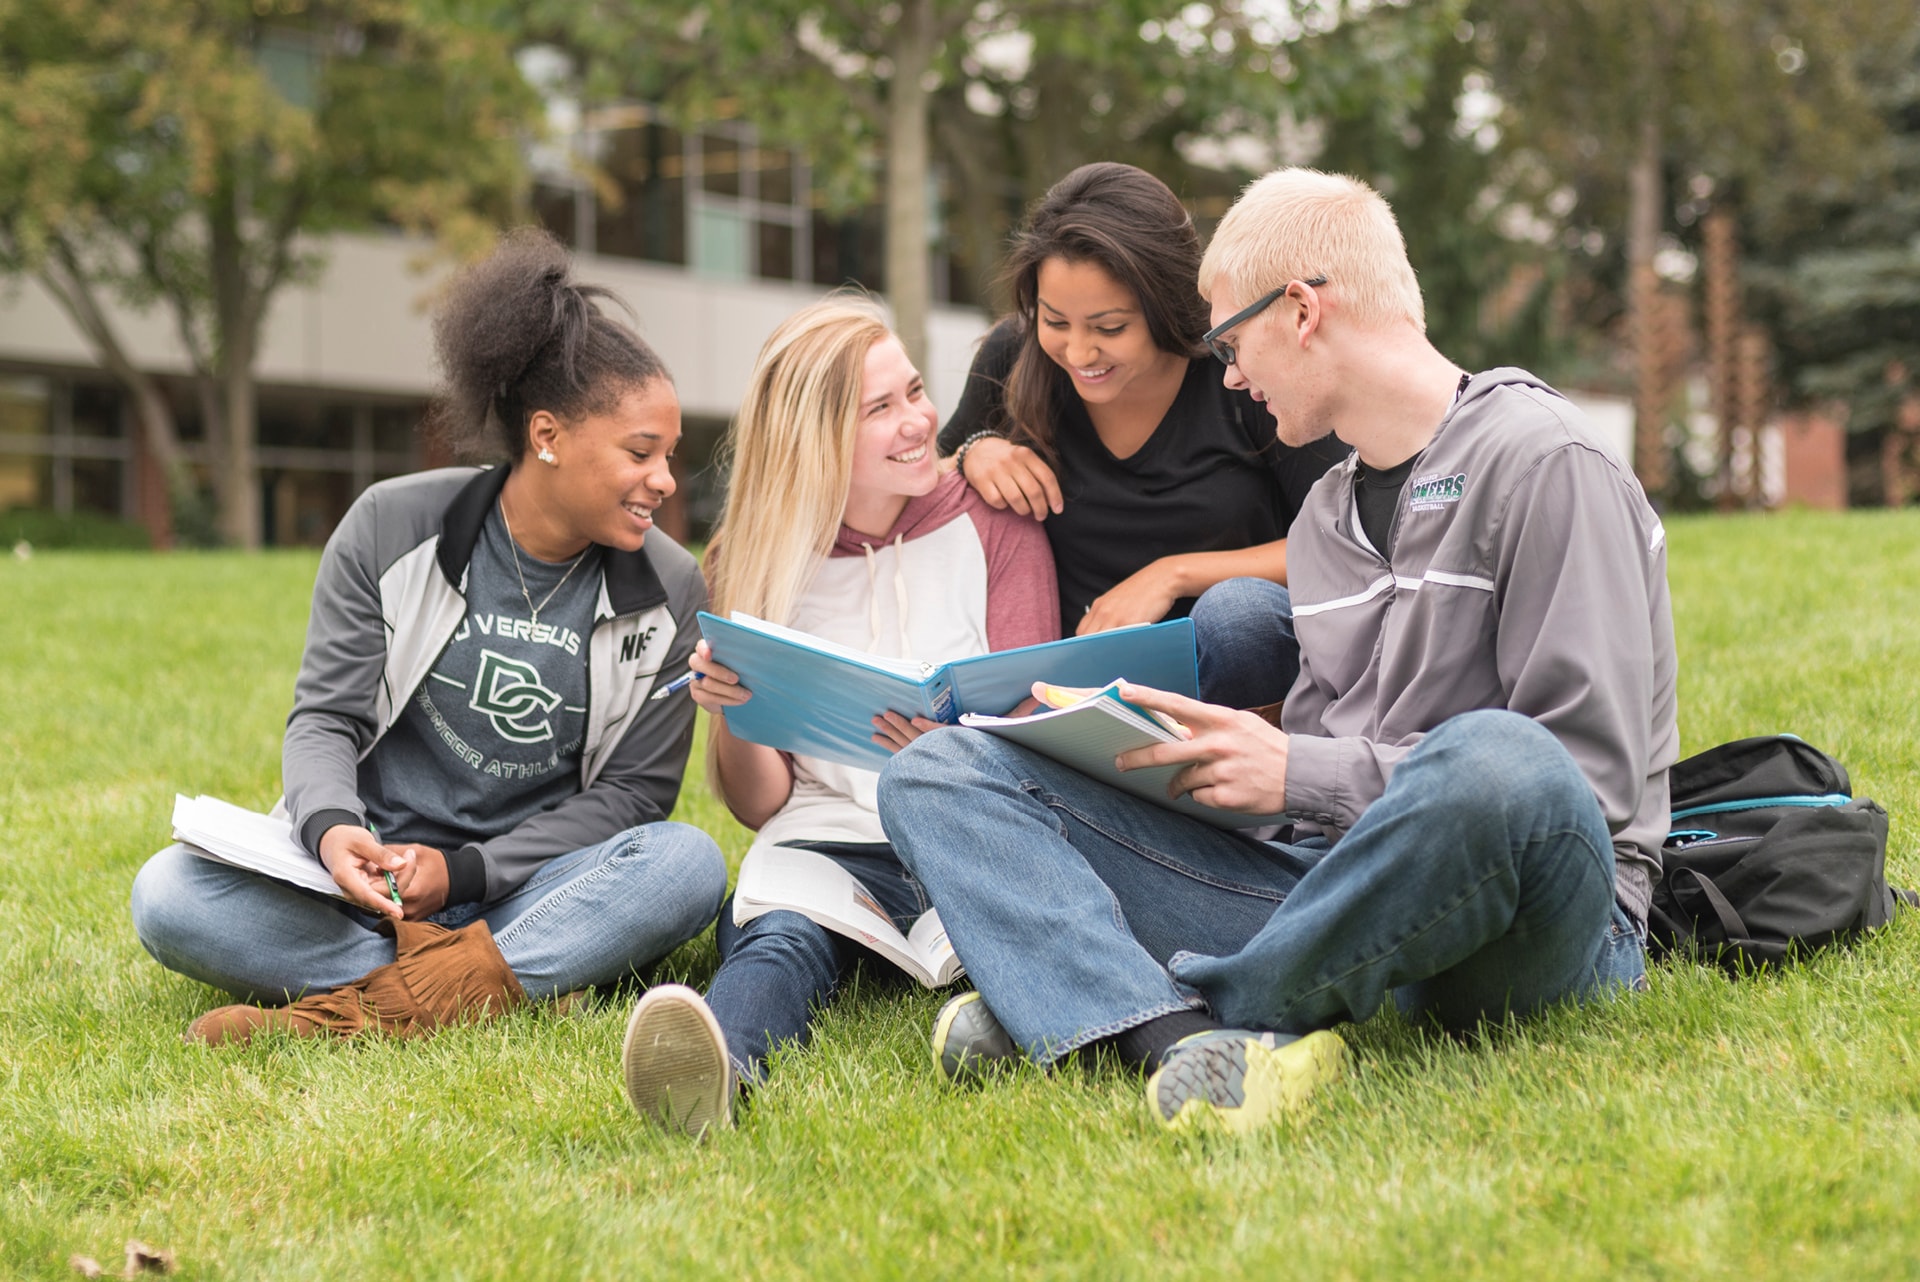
1223, 350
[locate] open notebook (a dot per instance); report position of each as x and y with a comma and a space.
1090, 733
809, 883
230, 834
813, 696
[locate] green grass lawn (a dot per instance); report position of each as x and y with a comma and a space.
1767, 1128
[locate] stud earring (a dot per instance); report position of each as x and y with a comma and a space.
545, 455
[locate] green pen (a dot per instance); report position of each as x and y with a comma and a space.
393, 887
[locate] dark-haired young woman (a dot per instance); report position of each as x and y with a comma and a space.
473, 711
1096, 408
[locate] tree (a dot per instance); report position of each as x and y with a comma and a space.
1009, 96
1615, 98
189, 153
1838, 276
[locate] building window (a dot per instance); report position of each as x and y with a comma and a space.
63, 447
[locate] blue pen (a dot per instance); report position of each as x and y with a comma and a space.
674, 686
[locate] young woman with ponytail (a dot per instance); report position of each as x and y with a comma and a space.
472, 724
837, 522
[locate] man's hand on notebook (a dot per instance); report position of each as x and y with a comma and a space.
1233, 761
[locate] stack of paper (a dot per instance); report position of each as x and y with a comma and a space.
228, 834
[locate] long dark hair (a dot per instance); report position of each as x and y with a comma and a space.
515, 334
1134, 228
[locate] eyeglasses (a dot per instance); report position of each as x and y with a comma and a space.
1222, 350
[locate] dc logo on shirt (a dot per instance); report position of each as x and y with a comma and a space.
510, 694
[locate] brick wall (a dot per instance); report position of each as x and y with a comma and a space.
1816, 462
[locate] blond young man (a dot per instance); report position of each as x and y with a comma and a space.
1474, 754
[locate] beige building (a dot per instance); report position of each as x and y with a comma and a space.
713, 242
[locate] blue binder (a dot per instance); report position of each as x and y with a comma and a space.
814, 697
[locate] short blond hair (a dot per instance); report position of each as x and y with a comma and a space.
1296, 224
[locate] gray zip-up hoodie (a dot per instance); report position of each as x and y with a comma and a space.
390, 593
1528, 573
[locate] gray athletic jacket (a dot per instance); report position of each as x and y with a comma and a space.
388, 598
1528, 573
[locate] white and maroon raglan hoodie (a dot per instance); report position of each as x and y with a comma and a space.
954, 577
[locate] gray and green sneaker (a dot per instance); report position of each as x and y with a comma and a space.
1234, 1080
968, 1042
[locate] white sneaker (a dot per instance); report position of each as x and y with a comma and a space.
675, 1061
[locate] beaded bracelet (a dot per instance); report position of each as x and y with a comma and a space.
960, 455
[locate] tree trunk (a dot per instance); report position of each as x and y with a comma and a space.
234, 466
1720, 264
1652, 397
70, 288
909, 274
240, 516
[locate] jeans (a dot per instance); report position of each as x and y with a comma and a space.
1479, 884
779, 967
1243, 633
585, 918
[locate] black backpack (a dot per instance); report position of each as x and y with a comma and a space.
1770, 856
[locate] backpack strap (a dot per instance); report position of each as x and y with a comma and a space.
1730, 921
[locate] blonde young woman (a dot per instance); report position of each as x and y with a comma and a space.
837, 522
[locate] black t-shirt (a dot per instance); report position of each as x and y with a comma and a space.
1377, 494
1211, 478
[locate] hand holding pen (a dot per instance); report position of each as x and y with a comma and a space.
714, 686
365, 870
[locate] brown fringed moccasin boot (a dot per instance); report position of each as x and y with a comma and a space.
439, 976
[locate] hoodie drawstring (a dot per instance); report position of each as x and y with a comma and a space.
899, 595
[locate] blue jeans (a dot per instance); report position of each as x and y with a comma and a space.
1479, 884
1243, 635
589, 917
778, 968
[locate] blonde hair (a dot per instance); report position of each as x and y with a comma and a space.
791, 453
1295, 224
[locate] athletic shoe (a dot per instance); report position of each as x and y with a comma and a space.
675, 1061
968, 1043
1232, 1079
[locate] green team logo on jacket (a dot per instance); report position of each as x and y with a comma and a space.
1430, 492
510, 694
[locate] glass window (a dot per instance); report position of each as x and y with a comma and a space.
23, 407
96, 411
553, 208
303, 507
774, 167
20, 480
720, 158
776, 251
395, 429
305, 426
850, 249
722, 247
646, 215
97, 485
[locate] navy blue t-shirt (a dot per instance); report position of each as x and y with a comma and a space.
493, 736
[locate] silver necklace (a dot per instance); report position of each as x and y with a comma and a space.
533, 611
